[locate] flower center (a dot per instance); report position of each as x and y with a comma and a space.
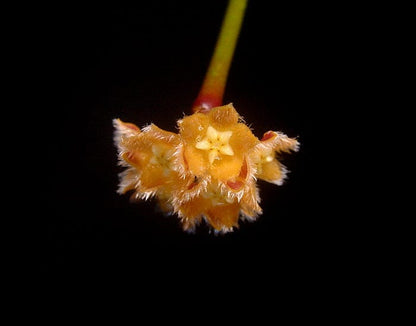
216, 143
160, 157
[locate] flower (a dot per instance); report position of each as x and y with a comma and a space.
207, 171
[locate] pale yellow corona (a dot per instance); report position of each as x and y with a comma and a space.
216, 143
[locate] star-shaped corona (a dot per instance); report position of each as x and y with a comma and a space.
206, 172
216, 143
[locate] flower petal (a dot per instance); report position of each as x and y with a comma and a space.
195, 160
193, 208
223, 217
193, 128
273, 172
250, 207
279, 142
128, 180
228, 167
137, 159
153, 177
242, 139
124, 129
223, 116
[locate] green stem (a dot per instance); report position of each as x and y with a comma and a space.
213, 87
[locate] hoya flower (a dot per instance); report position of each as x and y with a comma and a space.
148, 155
206, 172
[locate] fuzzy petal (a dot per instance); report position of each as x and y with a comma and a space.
223, 217
279, 142
207, 171
193, 209
250, 207
228, 167
124, 129
272, 172
153, 177
196, 161
242, 139
223, 116
193, 127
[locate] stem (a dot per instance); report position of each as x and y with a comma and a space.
213, 86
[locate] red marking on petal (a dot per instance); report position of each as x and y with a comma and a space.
185, 162
192, 185
131, 126
131, 157
243, 171
268, 135
235, 185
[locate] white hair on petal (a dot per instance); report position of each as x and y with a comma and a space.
184, 196
288, 143
251, 168
284, 172
189, 224
244, 216
147, 194
223, 229
120, 131
147, 127
178, 161
128, 179
230, 194
158, 133
121, 161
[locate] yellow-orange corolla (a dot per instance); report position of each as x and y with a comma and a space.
207, 171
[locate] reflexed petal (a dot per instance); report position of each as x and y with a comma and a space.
278, 141
272, 172
124, 129
223, 216
250, 207
136, 158
128, 180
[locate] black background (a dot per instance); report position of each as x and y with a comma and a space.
145, 63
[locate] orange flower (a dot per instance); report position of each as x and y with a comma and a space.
149, 156
206, 172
